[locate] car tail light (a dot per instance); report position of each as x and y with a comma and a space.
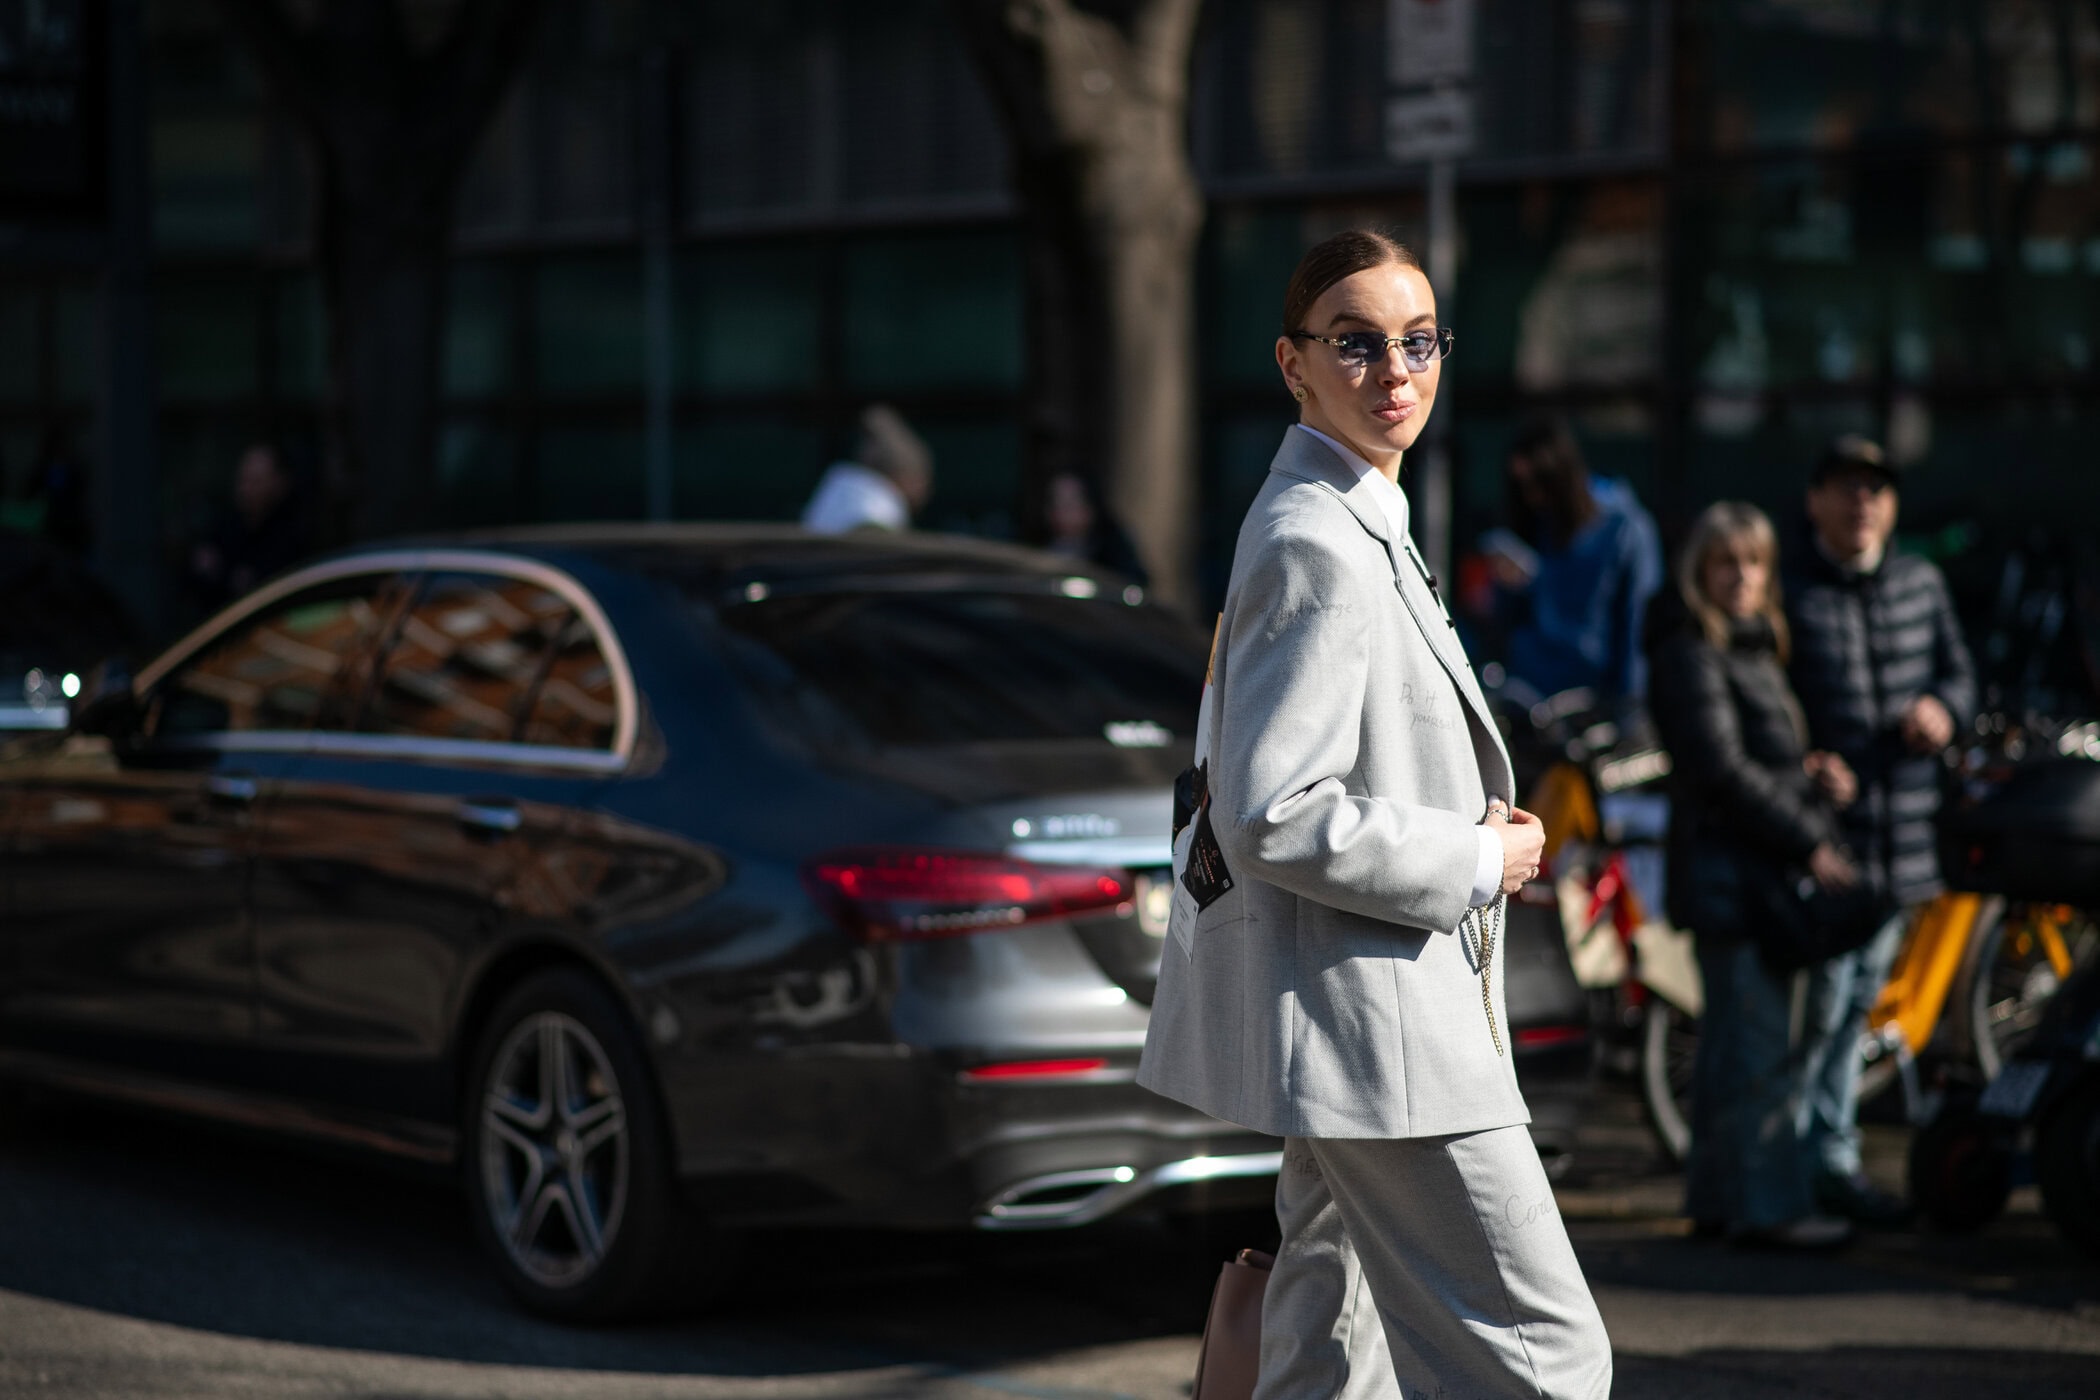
891, 894
1035, 1069
1540, 1037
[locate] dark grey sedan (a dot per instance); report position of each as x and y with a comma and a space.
663, 880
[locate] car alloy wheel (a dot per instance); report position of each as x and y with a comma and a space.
555, 1149
567, 1159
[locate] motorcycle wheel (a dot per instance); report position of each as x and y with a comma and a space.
2067, 1163
1960, 1171
2006, 985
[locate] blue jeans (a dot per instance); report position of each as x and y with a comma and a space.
1746, 1169
1840, 994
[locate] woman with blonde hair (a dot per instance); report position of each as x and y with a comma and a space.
1749, 801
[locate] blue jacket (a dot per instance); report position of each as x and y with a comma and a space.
1588, 601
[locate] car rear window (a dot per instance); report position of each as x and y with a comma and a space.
962, 666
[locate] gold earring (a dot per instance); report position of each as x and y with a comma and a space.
1299, 393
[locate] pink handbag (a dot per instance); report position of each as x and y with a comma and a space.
1230, 1358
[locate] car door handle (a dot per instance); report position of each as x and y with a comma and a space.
235, 788
490, 815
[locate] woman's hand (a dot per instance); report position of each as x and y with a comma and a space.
1831, 869
1833, 775
1523, 844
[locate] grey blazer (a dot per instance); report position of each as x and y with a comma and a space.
1332, 992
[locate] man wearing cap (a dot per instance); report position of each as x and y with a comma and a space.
1885, 681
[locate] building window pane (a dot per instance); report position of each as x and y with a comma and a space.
78, 340
302, 338
478, 329
19, 355
589, 325
590, 473
750, 320
976, 472
205, 340
757, 94
206, 180
934, 311
746, 468
584, 124
918, 125
477, 475
495, 196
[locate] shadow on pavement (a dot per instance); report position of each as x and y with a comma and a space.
170, 1222
2019, 1259
1851, 1372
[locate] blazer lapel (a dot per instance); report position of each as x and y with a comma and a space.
1305, 458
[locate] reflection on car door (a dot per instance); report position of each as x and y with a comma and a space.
131, 861
391, 858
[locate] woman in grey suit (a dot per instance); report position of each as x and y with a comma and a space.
1331, 973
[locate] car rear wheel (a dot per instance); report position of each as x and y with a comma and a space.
567, 1163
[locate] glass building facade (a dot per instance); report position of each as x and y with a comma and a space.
1716, 235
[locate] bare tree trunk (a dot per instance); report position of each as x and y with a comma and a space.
1096, 110
391, 122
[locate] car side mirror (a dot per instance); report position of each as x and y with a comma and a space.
106, 705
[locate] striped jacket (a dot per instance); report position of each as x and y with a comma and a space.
1864, 647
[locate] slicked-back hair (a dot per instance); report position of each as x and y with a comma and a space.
1328, 262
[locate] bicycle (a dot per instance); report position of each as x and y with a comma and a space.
1596, 785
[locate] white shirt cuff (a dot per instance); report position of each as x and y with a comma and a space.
1487, 871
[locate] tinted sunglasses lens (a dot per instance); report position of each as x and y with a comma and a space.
1357, 348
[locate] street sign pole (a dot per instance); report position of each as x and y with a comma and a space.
1429, 119
1433, 534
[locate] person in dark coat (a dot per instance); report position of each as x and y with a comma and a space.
1078, 524
1748, 799
1886, 681
261, 533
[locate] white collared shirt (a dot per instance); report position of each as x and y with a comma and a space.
1487, 871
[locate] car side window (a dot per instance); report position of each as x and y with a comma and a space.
291, 667
575, 706
495, 659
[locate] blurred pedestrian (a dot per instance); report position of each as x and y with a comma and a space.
884, 484
1886, 681
1574, 585
1332, 970
1080, 527
1749, 798
260, 532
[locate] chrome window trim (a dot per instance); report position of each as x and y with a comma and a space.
626, 704
331, 743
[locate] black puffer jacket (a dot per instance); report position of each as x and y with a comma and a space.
1865, 646
1740, 805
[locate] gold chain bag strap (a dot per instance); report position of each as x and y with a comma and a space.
1487, 926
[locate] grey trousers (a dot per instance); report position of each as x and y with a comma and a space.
1430, 1267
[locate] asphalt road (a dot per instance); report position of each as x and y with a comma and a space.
140, 1258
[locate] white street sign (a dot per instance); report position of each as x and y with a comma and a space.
1429, 126
1428, 41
